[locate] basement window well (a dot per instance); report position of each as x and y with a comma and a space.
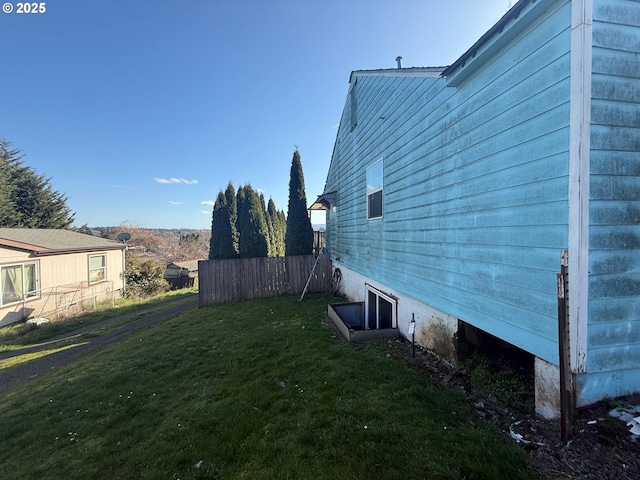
380, 310
376, 317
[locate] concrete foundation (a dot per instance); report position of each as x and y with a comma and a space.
547, 378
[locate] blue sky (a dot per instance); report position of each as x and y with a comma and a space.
140, 111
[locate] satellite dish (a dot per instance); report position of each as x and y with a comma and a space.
124, 237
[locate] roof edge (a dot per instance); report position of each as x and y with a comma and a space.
42, 251
512, 14
425, 72
61, 251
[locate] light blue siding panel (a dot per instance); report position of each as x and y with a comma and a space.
624, 65
595, 386
617, 357
626, 237
619, 188
619, 114
605, 137
621, 262
615, 286
607, 162
614, 210
616, 89
613, 309
614, 213
613, 333
617, 12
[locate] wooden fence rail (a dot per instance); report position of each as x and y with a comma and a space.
237, 280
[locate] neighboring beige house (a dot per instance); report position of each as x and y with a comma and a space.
182, 274
51, 273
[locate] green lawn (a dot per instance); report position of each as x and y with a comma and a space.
258, 390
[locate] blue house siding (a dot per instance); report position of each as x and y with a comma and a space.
528, 145
475, 186
614, 239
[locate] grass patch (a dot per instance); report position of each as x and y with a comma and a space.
20, 335
251, 390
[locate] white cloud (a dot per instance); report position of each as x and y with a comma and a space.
211, 203
175, 180
205, 212
176, 203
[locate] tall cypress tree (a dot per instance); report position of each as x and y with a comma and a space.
251, 224
279, 227
275, 228
269, 224
221, 244
232, 203
299, 235
282, 222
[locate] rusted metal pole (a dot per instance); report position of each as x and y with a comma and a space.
564, 351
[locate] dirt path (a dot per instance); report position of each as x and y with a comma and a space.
13, 377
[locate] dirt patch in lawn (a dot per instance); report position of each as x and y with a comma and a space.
601, 445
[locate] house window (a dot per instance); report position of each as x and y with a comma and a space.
380, 310
19, 282
97, 268
374, 190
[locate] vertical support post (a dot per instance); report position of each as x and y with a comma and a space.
564, 349
412, 331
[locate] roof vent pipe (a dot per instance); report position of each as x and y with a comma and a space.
399, 60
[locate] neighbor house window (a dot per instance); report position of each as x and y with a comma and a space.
19, 282
380, 310
374, 190
97, 268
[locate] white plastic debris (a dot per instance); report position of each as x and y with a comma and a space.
629, 415
36, 322
519, 438
635, 426
198, 465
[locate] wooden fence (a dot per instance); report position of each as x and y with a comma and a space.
237, 280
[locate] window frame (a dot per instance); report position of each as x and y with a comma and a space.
27, 295
371, 290
103, 268
374, 190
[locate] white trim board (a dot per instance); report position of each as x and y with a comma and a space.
579, 171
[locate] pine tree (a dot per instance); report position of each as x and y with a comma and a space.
299, 235
251, 224
27, 198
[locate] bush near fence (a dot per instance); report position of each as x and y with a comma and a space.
238, 280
